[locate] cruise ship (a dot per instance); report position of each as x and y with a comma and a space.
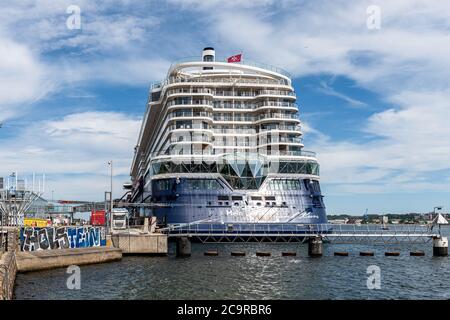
221, 144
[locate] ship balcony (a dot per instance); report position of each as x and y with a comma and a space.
270, 144
278, 107
190, 92
234, 131
202, 81
296, 140
174, 104
189, 116
235, 106
236, 118
190, 128
277, 117
281, 129
249, 107
253, 95
192, 139
285, 153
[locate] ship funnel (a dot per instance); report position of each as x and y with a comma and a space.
208, 55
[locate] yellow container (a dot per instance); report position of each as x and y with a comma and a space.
35, 222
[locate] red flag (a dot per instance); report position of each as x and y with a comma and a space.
235, 58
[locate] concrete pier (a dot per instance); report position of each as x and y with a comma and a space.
141, 243
50, 259
440, 246
315, 246
183, 247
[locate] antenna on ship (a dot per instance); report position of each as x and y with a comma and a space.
208, 55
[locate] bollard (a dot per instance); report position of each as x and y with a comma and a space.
211, 253
183, 247
315, 247
440, 246
238, 253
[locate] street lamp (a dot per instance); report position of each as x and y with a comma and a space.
111, 190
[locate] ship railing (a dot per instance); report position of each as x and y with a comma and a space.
277, 116
235, 118
189, 114
253, 105
189, 102
239, 131
230, 80
190, 139
188, 91
281, 139
284, 128
244, 62
300, 153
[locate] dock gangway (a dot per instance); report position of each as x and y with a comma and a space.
289, 232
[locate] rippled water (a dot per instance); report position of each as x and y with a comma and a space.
251, 277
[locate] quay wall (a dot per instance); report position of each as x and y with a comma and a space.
8, 271
153, 243
51, 259
8, 265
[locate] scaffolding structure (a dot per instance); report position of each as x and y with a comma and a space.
16, 198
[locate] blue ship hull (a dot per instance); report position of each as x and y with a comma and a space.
178, 203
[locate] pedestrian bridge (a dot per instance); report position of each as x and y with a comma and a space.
289, 232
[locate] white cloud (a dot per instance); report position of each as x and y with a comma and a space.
411, 145
328, 90
404, 62
22, 78
77, 146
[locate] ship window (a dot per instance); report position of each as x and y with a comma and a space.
220, 203
258, 203
203, 184
256, 198
222, 197
208, 58
162, 185
284, 184
226, 203
267, 204
236, 197
270, 198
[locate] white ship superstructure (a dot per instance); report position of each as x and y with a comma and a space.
222, 142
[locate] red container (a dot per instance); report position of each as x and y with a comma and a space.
98, 217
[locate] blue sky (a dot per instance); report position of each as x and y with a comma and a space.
374, 102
